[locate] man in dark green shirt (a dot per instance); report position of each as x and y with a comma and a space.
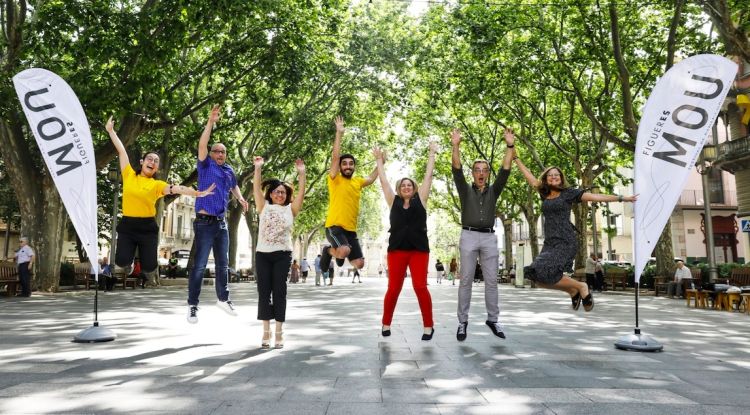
478, 240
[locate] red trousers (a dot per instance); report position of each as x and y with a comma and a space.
417, 263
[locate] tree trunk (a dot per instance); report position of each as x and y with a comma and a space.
664, 252
233, 222
251, 218
44, 224
580, 213
508, 233
532, 218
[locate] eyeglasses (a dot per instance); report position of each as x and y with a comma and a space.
219, 151
152, 159
279, 192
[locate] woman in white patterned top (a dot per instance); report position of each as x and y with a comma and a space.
273, 254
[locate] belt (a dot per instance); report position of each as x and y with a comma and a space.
483, 230
208, 217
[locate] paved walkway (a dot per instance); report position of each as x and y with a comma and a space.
555, 360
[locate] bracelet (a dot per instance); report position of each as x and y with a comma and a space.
510, 145
619, 198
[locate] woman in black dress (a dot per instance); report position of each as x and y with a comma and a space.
560, 243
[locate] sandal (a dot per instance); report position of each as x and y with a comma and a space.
576, 300
279, 340
588, 302
266, 342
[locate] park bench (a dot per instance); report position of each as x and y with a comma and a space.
82, 275
615, 276
740, 277
9, 277
661, 283
246, 275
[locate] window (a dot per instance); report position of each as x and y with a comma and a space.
715, 186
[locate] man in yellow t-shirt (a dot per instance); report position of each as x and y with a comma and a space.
344, 191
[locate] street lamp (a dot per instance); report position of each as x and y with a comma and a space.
708, 156
113, 174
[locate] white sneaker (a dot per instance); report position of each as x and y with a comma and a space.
192, 314
227, 307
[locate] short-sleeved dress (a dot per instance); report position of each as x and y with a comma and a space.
560, 242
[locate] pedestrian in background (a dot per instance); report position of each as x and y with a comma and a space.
24, 257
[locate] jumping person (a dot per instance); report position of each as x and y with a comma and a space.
478, 240
560, 243
210, 227
273, 255
344, 191
138, 229
408, 245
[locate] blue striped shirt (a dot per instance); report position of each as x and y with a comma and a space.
208, 173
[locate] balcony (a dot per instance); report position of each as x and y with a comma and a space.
694, 198
734, 155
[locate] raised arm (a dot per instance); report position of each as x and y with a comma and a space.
510, 139
257, 185
597, 197
371, 178
213, 117
455, 143
336, 153
533, 181
121, 152
380, 169
175, 189
424, 189
297, 202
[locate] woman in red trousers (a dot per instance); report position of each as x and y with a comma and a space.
408, 245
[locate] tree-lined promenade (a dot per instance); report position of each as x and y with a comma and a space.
568, 76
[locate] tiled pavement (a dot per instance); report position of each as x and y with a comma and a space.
555, 360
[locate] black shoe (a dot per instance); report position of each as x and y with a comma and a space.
461, 332
340, 262
428, 337
576, 300
325, 258
588, 302
497, 328
385, 333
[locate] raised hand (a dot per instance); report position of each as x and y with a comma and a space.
433, 147
455, 137
213, 116
208, 191
377, 153
258, 161
510, 137
299, 165
110, 126
339, 122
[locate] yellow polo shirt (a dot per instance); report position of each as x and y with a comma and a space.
139, 194
343, 201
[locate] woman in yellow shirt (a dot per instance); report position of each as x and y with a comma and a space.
140, 191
